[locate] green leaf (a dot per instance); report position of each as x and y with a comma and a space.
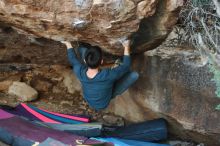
218, 107
216, 78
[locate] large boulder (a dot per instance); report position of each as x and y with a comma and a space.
70, 81
98, 22
176, 85
23, 91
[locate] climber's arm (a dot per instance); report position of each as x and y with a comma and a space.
127, 49
71, 54
119, 71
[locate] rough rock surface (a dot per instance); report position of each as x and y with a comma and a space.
70, 81
19, 48
98, 22
23, 91
113, 120
175, 85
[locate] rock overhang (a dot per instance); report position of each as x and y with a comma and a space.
98, 22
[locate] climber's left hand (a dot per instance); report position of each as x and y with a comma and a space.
67, 43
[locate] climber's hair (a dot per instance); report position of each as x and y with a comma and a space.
93, 57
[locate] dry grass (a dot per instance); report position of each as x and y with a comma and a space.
200, 20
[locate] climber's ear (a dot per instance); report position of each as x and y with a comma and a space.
102, 61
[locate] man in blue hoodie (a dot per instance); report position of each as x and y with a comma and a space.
101, 85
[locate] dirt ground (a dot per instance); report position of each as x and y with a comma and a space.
53, 94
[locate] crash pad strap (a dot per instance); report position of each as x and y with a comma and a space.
40, 116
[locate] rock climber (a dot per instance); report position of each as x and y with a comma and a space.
100, 85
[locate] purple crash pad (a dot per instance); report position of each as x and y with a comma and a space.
5, 115
25, 129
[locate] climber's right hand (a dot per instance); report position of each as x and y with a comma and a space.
65, 42
126, 45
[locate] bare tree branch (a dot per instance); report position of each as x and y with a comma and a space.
217, 5
201, 24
